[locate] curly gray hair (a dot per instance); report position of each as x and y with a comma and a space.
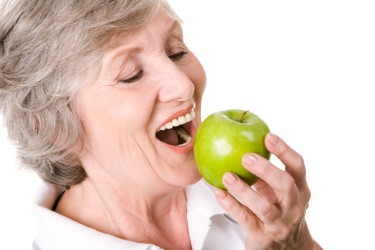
48, 50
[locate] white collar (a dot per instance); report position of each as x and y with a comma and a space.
201, 207
59, 232
201, 198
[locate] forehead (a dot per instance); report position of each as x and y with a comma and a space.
163, 24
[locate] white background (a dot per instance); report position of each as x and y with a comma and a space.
308, 69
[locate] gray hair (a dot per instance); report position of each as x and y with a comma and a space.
47, 49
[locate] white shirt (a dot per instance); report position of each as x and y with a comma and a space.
209, 227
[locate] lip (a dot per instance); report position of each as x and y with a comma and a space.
187, 148
178, 113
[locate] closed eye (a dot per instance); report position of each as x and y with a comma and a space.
178, 56
134, 78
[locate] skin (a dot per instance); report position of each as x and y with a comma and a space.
134, 187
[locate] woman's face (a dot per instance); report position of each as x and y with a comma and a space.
148, 85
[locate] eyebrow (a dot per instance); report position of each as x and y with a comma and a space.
119, 57
115, 63
173, 26
171, 29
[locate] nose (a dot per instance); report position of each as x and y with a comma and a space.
175, 84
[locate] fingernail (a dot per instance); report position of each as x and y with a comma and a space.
272, 138
229, 178
249, 159
220, 194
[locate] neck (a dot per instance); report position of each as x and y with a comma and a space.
157, 217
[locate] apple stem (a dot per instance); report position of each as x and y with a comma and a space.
243, 115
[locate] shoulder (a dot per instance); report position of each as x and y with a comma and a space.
60, 233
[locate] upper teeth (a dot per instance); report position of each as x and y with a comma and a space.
178, 121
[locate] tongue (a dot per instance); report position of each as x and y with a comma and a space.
168, 136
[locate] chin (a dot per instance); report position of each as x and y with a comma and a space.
186, 175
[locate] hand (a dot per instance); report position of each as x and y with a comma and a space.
272, 211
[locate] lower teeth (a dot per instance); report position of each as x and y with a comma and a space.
184, 136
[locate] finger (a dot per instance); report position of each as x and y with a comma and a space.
240, 213
294, 163
280, 181
262, 188
265, 210
265, 170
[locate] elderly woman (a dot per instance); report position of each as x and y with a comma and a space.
85, 88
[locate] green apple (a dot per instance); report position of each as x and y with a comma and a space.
221, 141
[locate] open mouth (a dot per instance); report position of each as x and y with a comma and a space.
177, 131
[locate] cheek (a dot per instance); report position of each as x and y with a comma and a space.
104, 114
